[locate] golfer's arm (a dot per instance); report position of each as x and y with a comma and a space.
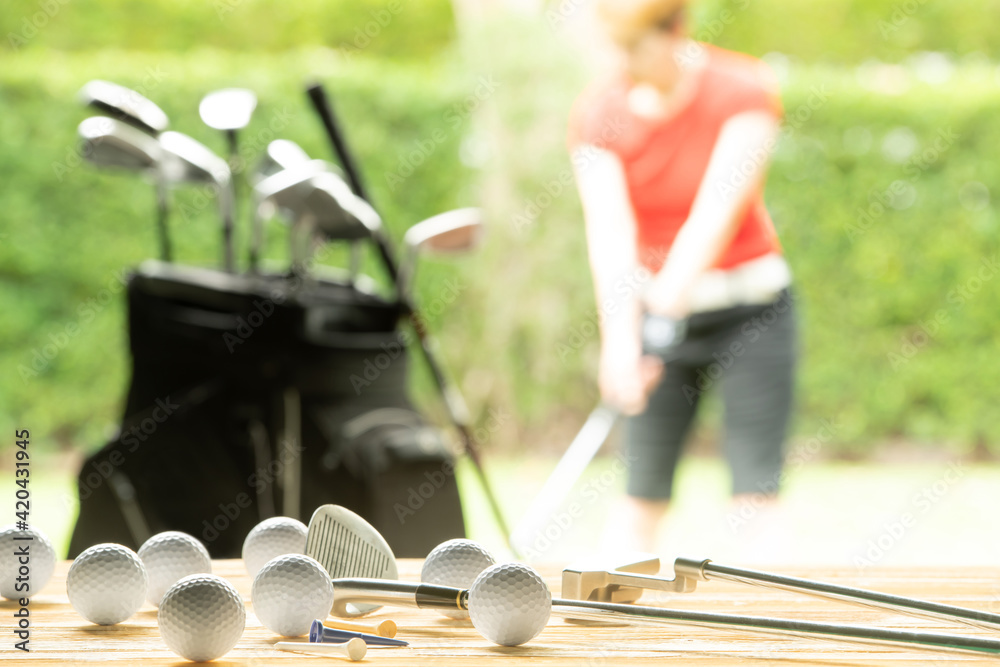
735, 173
611, 241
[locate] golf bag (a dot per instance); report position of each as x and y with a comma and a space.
256, 396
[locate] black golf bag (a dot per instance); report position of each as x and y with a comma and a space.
256, 396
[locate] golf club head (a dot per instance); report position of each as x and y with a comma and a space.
186, 160
287, 188
591, 579
451, 232
339, 213
228, 109
347, 546
454, 231
125, 105
107, 142
280, 154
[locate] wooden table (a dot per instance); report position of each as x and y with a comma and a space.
61, 637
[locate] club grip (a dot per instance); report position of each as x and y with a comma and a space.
661, 334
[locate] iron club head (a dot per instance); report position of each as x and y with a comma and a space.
125, 105
349, 547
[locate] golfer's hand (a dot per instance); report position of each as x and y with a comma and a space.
627, 380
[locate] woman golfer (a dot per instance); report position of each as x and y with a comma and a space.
670, 154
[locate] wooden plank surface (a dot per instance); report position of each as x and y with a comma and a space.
61, 637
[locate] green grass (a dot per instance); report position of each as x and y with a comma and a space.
832, 511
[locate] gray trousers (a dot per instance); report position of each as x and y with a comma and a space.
750, 353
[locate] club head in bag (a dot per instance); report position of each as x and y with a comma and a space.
125, 105
228, 109
340, 214
451, 232
349, 547
107, 142
280, 154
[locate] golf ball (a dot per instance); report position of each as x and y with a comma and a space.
509, 604
106, 583
41, 560
201, 617
168, 557
290, 592
455, 563
273, 537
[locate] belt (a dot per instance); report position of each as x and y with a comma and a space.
757, 281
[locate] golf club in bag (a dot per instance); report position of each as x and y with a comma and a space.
261, 394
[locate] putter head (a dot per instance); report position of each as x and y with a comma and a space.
606, 578
125, 105
349, 547
107, 142
228, 109
186, 160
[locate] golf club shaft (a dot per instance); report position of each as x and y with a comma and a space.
233, 142
706, 570
377, 591
568, 471
452, 400
399, 593
162, 217
607, 611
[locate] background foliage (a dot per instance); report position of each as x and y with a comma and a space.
911, 146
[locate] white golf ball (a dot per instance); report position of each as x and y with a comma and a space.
106, 583
509, 604
170, 556
41, 560
290, 592
201, 617
455, 563
273, 537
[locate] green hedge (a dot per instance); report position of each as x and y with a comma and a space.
850, 31
520, 337
397, 28
864, 292
68, 230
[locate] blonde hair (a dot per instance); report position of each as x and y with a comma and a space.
627, 20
